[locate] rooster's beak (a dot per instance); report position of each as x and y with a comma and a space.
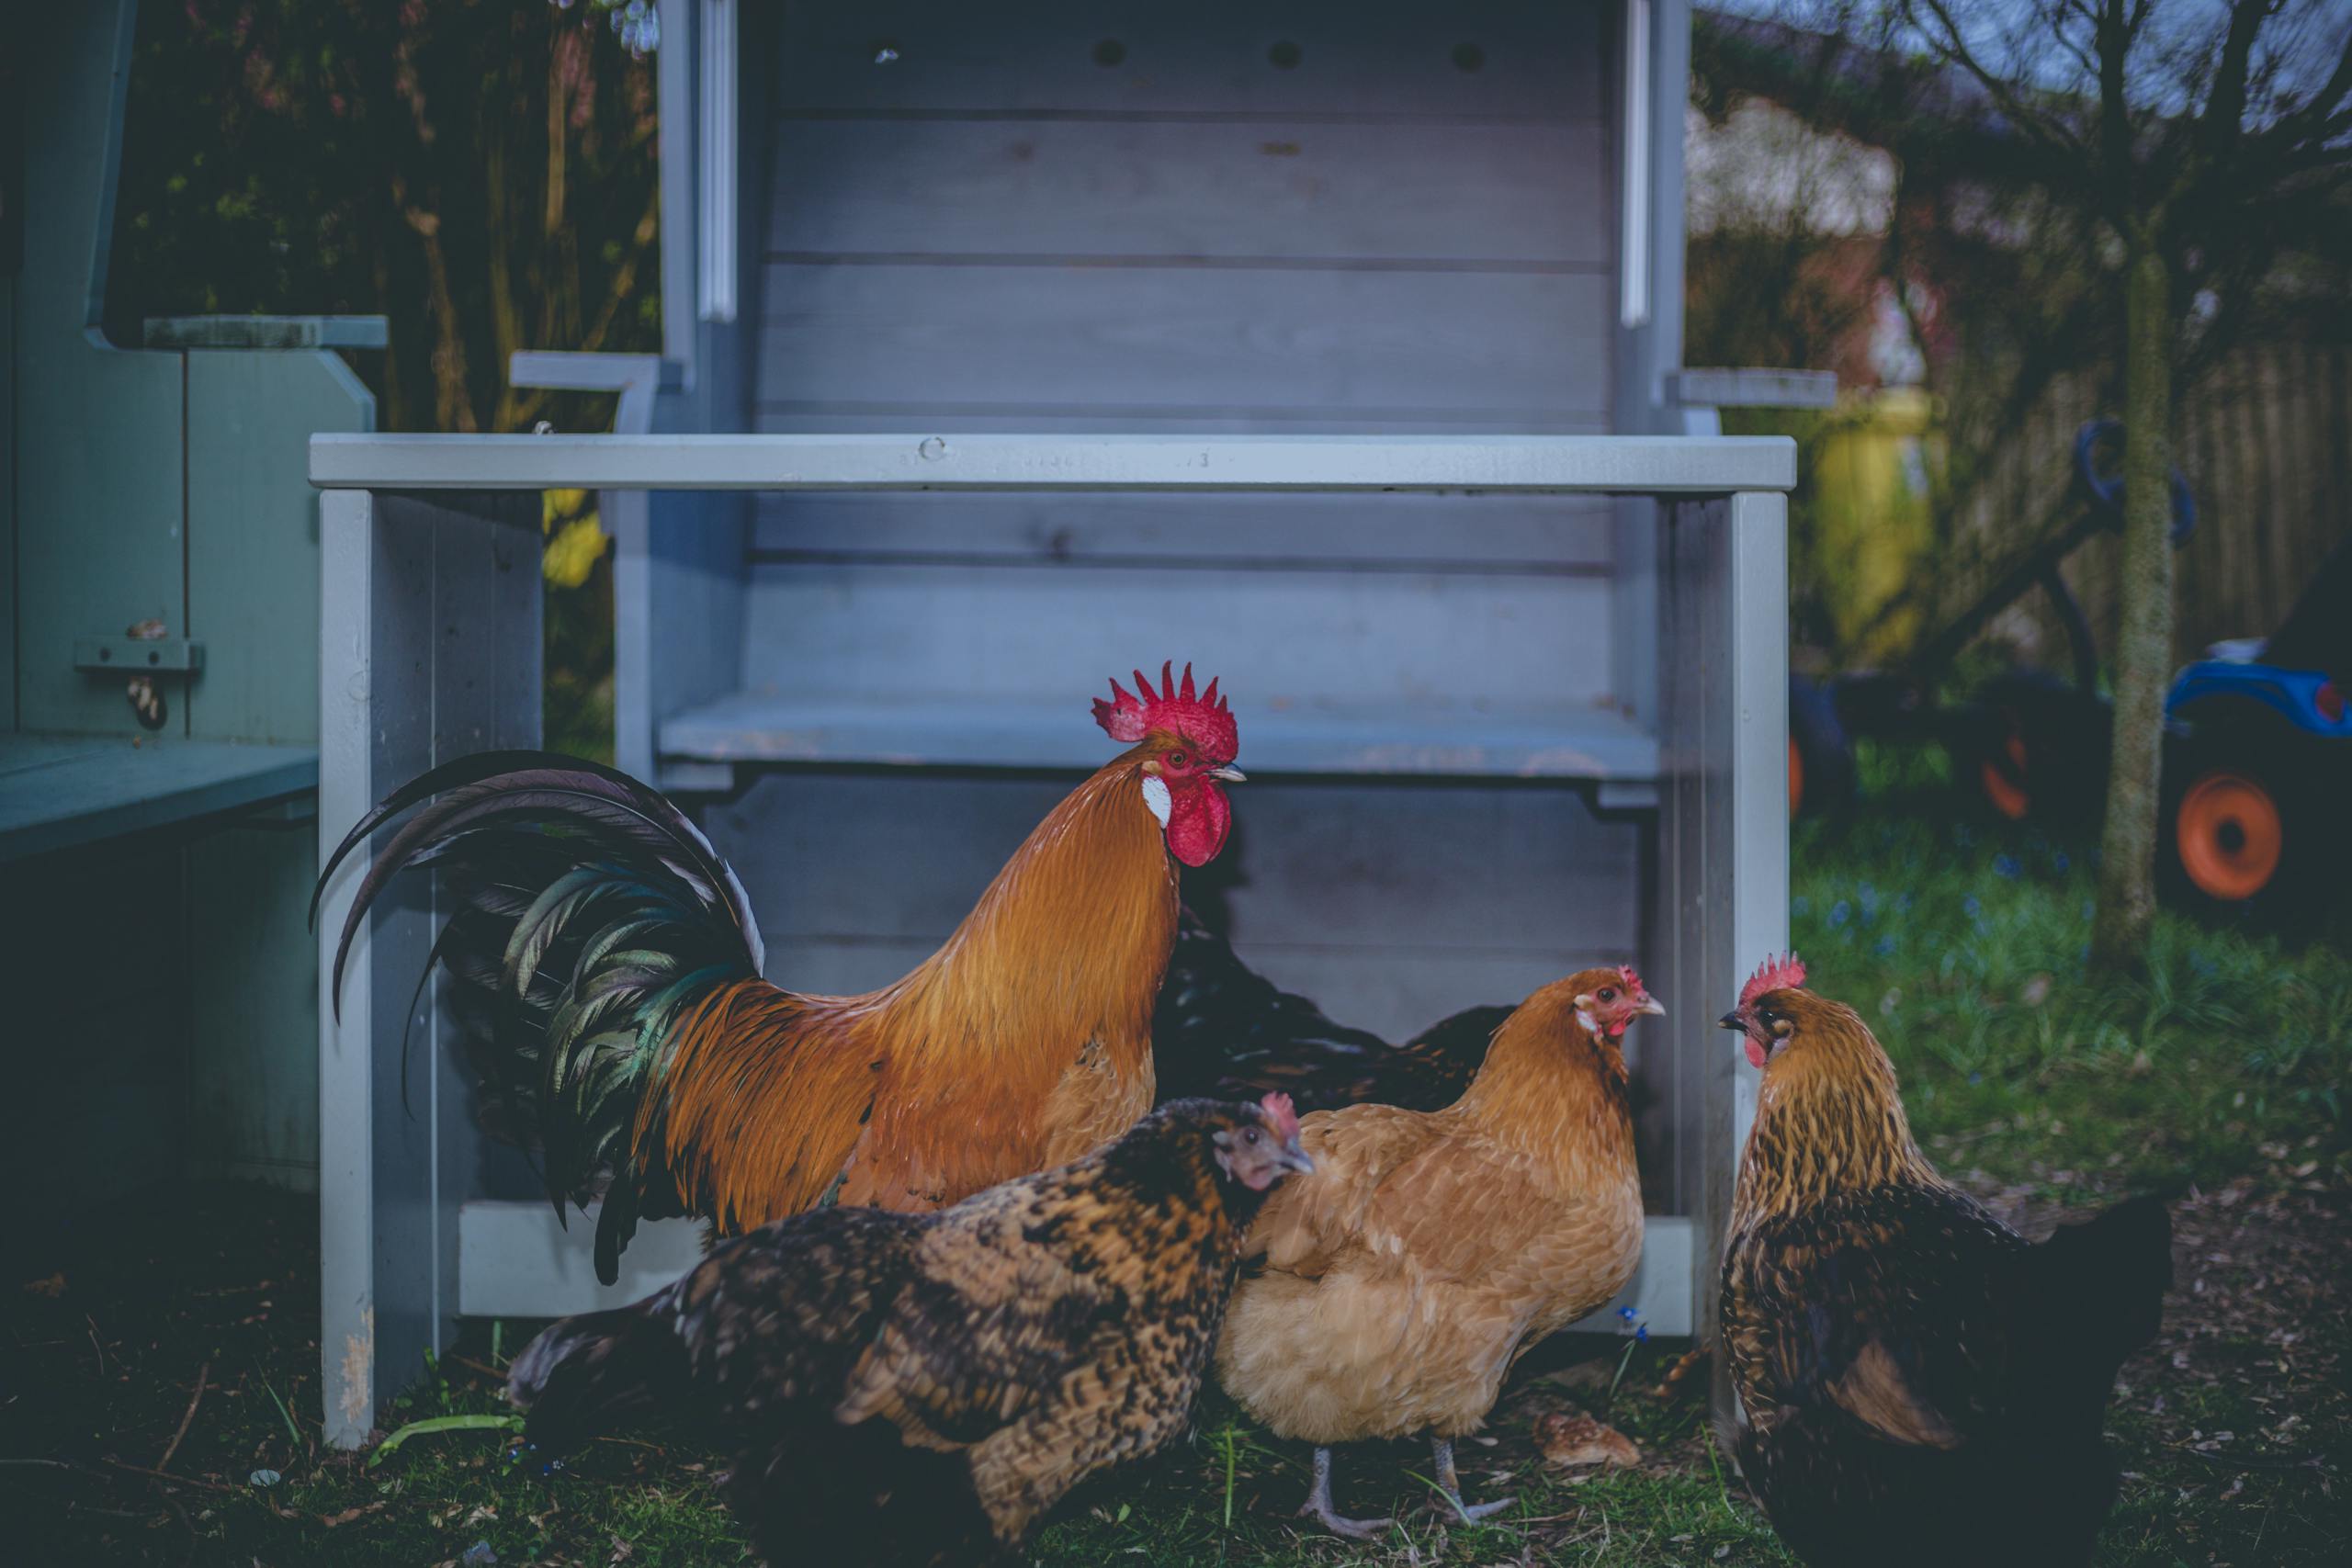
1229, 773
1653, 1006
1732, 1020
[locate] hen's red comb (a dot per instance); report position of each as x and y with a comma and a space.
1203, 717
1784, 972
1280, 1115
1633, 981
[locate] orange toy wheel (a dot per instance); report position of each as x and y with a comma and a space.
2008, 797
1796, 778
2231, 836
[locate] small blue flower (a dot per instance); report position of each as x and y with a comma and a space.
1968, 906
2204, 967
1641, 1335
1628, 1313
2007, 866
2060, 860
1976, 1077
1885, 948
1840, 913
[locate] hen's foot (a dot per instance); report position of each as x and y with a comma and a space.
1450, 1485
1317, 1507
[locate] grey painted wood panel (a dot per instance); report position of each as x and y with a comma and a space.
1393, 906
1375, 736
1170, 340
1559, 534
1391, 61
1001, 419
1493, 196
253, 1070
1286, 638
253, 560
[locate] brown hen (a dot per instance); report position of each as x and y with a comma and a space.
1430, 1250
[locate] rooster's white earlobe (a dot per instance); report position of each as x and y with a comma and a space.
1155, 795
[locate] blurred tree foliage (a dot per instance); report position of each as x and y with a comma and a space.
485, 172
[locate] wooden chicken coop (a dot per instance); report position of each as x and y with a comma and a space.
159, 633
1333, 346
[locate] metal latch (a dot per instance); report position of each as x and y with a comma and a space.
139, 656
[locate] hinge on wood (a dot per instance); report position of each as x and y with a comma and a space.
139, 656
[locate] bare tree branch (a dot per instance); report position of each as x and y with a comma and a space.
2046, 129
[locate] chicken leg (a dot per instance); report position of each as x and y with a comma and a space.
1441, 1452
1318, 1506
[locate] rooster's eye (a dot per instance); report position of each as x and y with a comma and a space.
1177, 761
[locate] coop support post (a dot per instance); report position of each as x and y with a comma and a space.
1723, 830
430, 649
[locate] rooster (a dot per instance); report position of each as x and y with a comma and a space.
1223, 1029
921, 1388
628, 1032
1920, 1385
1428, 1251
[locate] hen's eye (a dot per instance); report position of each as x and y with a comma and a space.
1249, 1136
1607, 993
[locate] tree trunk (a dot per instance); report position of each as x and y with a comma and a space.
2126, 897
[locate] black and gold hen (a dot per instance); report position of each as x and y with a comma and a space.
921, 1388
1920, 1385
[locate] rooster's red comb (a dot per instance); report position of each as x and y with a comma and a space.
1785, 973
1280, 1116
1202, 718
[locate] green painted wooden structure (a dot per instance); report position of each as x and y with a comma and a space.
164, 869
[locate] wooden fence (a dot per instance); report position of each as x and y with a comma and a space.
2266, 443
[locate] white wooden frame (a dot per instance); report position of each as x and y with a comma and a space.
430, 649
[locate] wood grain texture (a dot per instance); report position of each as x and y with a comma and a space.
1169, 340
1552, 535
1532, 61
1489, 196
846, 631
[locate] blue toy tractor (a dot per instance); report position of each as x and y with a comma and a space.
2258, 765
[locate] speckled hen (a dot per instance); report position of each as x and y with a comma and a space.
901, 1388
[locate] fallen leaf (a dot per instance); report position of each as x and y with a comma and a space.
53, 1287
1568, 1441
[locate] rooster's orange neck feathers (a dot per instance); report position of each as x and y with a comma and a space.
916, 1094
1829, 1117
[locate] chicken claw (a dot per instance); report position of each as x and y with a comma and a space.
1448, 1483
1317, 1507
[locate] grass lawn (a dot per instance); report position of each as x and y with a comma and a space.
179, 1335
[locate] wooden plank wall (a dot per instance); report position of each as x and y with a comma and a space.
2264, 440
1259, 218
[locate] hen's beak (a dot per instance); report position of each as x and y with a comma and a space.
1653, 1006
1734, 1021
1229, 773
1296, 1158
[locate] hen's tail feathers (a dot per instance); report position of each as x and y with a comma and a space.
1226, 1031
2101, 1293
581, 1375
590, 917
